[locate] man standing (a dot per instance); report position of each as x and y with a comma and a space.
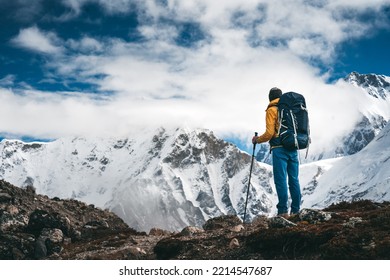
285, 162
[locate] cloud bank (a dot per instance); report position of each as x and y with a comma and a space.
197, 63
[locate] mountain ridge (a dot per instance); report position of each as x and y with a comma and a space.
164, 178
377, 86
185, 178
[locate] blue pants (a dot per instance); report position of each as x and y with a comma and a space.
286, 166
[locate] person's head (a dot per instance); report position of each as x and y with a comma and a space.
274, 93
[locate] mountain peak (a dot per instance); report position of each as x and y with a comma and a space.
377, 86
165, 177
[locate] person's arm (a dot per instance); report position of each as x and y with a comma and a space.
270, 121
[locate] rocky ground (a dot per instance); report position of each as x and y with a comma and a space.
36, 227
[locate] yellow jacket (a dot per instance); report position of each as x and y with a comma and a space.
271, 120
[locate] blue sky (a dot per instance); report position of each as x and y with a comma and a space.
100, 67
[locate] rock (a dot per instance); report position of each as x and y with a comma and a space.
17, 254
136, 251
222, 222
237, 228
31, 189
12, 223
75, 235
40, 249
67, 241
280, 222
260, 222
234, 243
53, 240
40, 219
97, 224
189, 231
65, 225
55, 235
13, 210
352, 222
54, 256
158, 232
17, 246
168, 248
5, 198
314, 216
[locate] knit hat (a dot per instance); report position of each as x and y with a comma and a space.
274, 93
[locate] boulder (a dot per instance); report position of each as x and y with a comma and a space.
314, 216
5, 198
190, 231
97, 224
280, 222
40, 219
158, 232
222, 222
53, 240
12, 222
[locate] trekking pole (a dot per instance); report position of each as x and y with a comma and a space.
250, 174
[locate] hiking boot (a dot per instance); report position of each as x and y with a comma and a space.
294, 217
284, 215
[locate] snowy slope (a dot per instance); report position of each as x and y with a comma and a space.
364, 175
377, 86
167, 178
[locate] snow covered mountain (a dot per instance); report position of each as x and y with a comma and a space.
364, 175
377, 86
374, 115
166, 178
373, 120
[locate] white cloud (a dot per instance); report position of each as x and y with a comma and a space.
75, 5
49, 115
86, 45
7, 81
34, 39
222, 83
110, 6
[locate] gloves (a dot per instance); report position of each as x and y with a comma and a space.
254, 140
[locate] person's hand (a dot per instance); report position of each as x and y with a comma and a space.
254, 139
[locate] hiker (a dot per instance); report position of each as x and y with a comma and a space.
285, 161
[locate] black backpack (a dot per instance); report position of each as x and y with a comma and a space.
294, 131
